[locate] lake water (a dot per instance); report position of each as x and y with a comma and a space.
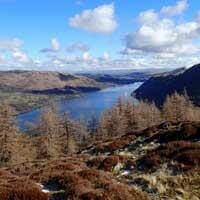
85, 106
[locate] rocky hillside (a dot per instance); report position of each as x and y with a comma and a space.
159, 86
45, 82
161, 162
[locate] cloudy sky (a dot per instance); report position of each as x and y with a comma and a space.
73, 35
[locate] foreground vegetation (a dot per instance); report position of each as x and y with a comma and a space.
136, 151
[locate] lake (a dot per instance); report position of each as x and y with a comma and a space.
85, 106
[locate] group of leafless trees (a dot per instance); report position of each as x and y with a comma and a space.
12, 145
128, 116
55, 135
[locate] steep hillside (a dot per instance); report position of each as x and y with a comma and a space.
161, 162
158, 87
28, 81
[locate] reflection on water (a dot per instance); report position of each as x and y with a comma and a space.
93, 103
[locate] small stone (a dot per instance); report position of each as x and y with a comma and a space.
125, 173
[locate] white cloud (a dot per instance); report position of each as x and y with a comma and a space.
162, 41
10, 44
78, 47
148, 17
198, 17
159, 40
155, 37
157, 34
99, 20
86, 56
176, 9
20, 56
164, 36
12, 53
2, 59
106, 56
55, 46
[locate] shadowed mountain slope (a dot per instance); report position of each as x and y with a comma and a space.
159, 86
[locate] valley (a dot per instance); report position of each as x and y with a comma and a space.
28, 90
99, 100
131, 149
83, 106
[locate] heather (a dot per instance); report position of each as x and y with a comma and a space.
136, 151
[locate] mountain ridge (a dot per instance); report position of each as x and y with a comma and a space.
27, 81
158, 87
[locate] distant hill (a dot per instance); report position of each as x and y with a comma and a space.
61, 83
119, 78
27, 90
45, 82
159, 86
124, 71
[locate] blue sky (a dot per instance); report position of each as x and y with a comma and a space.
72, 35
